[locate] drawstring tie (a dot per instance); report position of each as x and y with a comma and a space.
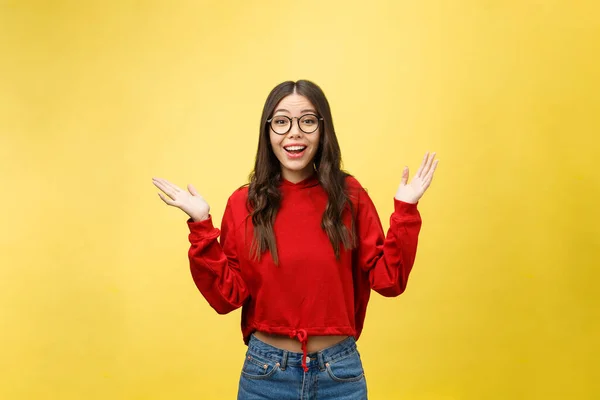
302, 336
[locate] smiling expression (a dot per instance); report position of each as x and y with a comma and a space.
295, 150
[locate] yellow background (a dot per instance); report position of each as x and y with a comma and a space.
96, 299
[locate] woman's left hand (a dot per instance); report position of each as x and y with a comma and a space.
413, 191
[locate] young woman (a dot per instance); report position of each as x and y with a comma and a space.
300, 249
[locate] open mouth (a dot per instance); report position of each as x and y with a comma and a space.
295, 150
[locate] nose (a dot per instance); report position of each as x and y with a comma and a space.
295, 129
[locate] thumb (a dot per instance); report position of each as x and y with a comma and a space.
404, 176
193, 190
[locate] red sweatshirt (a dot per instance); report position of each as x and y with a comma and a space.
310, 292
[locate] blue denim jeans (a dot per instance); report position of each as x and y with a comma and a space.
272, 373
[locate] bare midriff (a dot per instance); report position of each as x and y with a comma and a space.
314, 343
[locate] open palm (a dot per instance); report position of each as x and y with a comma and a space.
413, 191
190, 202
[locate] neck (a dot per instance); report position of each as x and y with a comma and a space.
297, 176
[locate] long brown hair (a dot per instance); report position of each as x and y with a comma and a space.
264, 197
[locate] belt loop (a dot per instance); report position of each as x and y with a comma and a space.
284, 360
321, 361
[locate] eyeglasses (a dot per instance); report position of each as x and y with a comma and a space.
282, 124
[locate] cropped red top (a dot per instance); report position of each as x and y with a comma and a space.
310, 292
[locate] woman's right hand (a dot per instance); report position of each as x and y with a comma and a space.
191, 203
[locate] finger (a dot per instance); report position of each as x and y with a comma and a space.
420, 171
428, 164
167, 189
429, 176
404, 180
169, 202
170, 189
159, 184
192, 190
172, 186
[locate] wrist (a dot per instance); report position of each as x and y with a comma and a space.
404, 199
199, 218
404, 208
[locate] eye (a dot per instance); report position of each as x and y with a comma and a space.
309, 120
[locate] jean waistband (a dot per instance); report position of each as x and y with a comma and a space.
319, 358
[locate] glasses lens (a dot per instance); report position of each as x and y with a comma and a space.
309, 123
280, 125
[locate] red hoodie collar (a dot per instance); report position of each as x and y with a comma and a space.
311, 181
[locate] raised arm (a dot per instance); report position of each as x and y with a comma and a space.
388, 258
215, 266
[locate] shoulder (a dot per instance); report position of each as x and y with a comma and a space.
357, 193
239, 196
359, 196
352, 183
354, 188
236, 210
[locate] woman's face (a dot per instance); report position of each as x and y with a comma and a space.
295, 149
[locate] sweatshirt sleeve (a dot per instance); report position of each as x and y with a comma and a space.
388, 259
215, 266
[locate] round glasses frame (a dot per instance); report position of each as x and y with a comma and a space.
291, 119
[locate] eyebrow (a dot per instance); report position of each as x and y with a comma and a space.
287, 111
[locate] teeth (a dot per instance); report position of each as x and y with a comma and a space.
293, 148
